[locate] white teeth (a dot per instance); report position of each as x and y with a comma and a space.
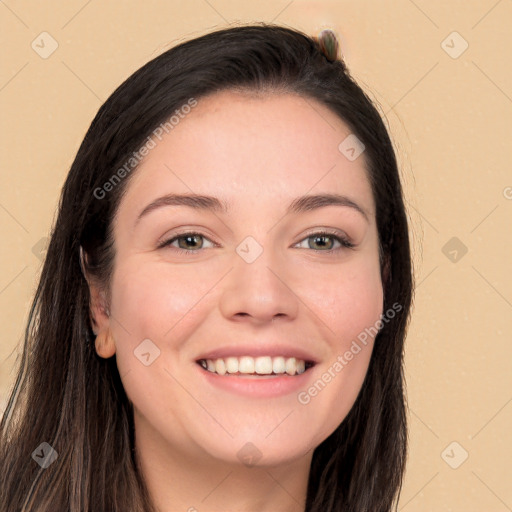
291, 366
246, 365
220, 366
232, 365
279, 364
263, 365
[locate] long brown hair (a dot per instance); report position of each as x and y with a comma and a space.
67, 396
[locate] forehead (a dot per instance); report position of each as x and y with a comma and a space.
247, 149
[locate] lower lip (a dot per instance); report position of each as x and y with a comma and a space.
258, 387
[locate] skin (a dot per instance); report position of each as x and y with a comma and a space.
259, 153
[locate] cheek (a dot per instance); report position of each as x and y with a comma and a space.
138, 304
150, 301
349, 305
347, 300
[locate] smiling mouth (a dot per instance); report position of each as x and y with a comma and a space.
256, 366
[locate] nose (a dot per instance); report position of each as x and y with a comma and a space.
259, 292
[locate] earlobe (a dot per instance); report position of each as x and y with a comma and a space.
105, 344
100, 321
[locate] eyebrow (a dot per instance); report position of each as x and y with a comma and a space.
210, 203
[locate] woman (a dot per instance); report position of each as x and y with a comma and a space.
220, 319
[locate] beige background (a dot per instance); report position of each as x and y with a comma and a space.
450, 114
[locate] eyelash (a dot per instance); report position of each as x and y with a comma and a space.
344, 242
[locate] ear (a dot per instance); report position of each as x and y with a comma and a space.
99, 314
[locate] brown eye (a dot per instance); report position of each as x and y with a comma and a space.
325, 242
190, 241
320, 241
187, 242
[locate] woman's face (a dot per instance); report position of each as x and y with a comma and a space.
258, 281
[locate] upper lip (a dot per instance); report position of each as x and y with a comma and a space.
259, 349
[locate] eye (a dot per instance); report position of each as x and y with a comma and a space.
320, 238
191, 242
